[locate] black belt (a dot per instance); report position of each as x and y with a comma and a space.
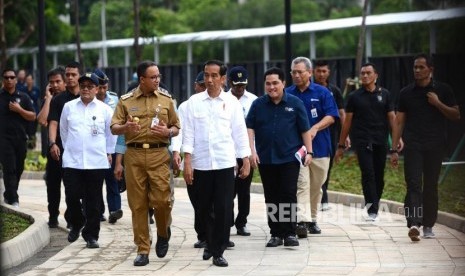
146, 145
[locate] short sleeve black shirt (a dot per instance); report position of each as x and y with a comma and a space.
56, 107
13, 125
369, 122
425, 125
335, 129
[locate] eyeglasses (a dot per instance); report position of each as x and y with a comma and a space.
157, 77
296, 72
9, 77
88, 87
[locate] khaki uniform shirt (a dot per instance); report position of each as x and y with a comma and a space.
159, 104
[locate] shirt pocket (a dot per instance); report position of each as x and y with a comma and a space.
224, 121
200, 112
163, 115
99, 125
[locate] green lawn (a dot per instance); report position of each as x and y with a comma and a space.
12, 225
345, 177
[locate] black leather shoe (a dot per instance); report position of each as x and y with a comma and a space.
301, 230
92, 243
53, 223
230, 244
115, 216
291, 241
206, 254
220, 261
161, 247
243, 231
313, 228
274, 242
200, 244
141, 260
74, 234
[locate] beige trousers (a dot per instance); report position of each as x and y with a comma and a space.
309, 192
148, 186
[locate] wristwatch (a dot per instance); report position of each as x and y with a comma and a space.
339, 146
391, 151
51, 143
310, 153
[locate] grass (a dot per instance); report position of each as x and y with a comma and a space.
346, 177
12, 225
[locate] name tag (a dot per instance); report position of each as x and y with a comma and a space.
94, 130
314, 113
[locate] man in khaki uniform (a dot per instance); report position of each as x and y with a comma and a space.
147, 118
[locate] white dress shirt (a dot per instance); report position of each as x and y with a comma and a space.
214, 130
246, 101
176, 141
86, 135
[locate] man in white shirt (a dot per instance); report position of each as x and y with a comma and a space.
176, 143
214, 131
88, 145
112, 185
238, 82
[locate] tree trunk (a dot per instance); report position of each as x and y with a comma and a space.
78, 35
361, 40
137, 48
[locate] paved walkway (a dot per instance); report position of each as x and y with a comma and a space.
348, 245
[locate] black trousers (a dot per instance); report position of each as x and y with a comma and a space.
280, 189
242, 191
112, 188
372, 161
215, 191
85, 185
53, 177
334, 130
421, 170
198, 225
12, 155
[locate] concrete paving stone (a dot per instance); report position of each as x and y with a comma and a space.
328, 263
428, 271
389, 254
347, 246
275, 271
459, 271
390, 270
459, 262
319, 270
429, 263
455, 251
399, 264
450, 241
438, 256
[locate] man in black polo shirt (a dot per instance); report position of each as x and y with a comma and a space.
321, 75
54, 171
16, 112
369, 114
423, 109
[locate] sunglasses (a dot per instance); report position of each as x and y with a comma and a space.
9, 77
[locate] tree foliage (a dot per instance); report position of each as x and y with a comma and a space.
161, 17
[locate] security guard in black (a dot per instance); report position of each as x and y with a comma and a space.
16, 111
